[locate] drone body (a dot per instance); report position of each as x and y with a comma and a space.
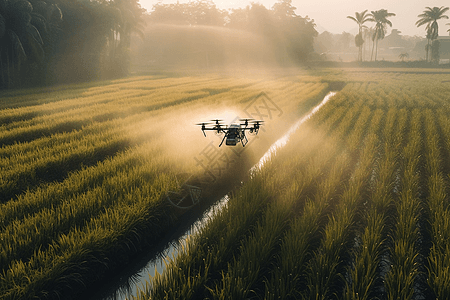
234, 133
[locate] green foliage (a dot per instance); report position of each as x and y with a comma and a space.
380, 17
360, 19
21, 45
60, 41
429, 17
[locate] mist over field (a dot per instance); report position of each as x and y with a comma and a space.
202, 47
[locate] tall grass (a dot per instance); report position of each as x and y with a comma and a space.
357, 207
84, 170
438, 277
353, 207
404, 251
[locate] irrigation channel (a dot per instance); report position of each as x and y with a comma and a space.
156, 263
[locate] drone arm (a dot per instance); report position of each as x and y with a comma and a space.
203, 130
254, 129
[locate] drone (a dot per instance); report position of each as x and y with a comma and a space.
234, 133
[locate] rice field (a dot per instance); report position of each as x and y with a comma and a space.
85, 168
355, 206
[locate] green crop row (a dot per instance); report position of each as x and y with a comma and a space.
436, 149
84, 170
357, 207
253, 256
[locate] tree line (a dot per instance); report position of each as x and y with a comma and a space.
61, 41
290, 35
429, 18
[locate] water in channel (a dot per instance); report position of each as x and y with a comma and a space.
139, 279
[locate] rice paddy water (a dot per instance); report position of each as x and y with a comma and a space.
157, 264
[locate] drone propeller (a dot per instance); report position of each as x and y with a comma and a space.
218, 127
257, 123
245, 121
203, 127
217, 121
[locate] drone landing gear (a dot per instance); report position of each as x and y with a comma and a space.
244, 142
225, 136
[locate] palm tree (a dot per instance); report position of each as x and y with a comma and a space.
123, 17
380, 18
403, 55
367, 33
436, 44
360, 19
28, 31
429, 17
20, 40
428, 45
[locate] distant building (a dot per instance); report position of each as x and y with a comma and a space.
444, 49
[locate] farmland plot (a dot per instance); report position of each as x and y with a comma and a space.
84, 168
355, 206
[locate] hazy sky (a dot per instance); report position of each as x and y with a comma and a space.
331, 15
